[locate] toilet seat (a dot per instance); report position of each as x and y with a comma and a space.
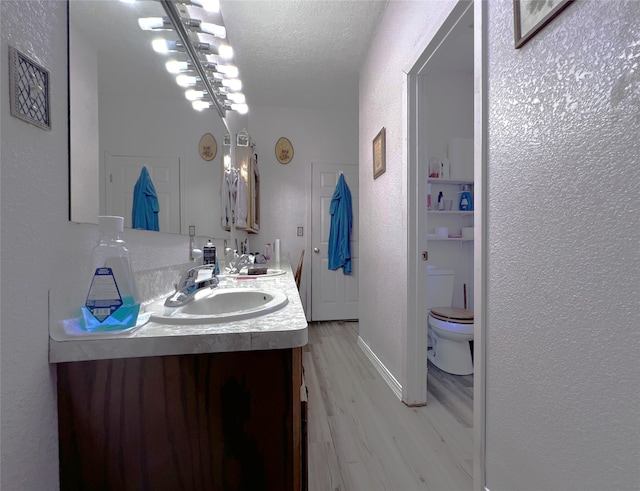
456, 315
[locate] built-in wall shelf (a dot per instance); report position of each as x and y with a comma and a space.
459, 239
451, 212
449, 181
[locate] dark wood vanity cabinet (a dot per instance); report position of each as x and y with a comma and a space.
217, 421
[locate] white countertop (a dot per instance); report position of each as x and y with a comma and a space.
284, 328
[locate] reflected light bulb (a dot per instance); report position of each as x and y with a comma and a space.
225, 51
200, 105
240, 108
208, 5
234, 84
176, 67
151, 23
186, 80
194, 95
230, 71
160, 46
237, 97
213, 29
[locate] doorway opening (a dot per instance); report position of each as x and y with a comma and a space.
452, 61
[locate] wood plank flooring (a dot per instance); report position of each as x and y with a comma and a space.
362, 438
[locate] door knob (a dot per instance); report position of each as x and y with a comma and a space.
316, 250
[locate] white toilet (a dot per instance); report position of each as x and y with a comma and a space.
449, 328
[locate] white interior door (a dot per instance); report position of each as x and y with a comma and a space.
334, 295
122, 173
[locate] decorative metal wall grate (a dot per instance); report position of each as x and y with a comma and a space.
29, 88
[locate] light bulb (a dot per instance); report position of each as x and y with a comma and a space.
186, 80
240, 108
200, 105
237, 97
213, 29
175, 67
151, 23
234, 84
225, 51
230, 71
160, 46
208, 5
194, 95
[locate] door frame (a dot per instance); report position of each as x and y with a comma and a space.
414, 388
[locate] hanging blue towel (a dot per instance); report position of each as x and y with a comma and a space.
145, 203
341, 223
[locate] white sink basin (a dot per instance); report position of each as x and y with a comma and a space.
220, 305
244, 276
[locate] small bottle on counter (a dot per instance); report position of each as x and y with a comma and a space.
267, 251
440, 201
209, 253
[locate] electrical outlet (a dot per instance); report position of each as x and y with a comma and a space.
300, 231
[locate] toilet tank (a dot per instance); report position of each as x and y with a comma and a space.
439, 287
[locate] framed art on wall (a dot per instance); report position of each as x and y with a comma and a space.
530, 16
208, 147
284, 150
379, 154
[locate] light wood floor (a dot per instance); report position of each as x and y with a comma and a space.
363, 438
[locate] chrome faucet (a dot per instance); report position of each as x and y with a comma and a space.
192, 281
239, 262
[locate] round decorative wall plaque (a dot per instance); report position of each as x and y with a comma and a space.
208, 147
284, 151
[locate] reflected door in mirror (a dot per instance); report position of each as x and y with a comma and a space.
122, 173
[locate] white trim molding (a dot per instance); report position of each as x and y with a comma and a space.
386, 374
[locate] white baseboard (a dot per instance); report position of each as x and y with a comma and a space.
386, 374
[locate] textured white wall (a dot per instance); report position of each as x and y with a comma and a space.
563, 347
41, 249
324, 136
404, 31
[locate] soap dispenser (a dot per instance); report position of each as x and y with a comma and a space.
112, 300
466, 202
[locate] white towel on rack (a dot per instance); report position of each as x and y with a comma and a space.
227, 196
241, 202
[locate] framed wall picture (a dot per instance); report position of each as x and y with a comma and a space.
530, 16
284, 150
208, 147
379, 154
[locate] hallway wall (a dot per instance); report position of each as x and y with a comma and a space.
563, 371
404, 31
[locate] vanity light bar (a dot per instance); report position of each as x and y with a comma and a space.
215, 78
174, 17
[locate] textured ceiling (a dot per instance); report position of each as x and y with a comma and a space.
304, 53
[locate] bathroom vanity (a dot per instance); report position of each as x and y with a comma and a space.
197, 407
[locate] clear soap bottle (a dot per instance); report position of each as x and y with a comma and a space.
112, 300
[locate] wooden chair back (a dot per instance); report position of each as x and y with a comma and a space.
298, 275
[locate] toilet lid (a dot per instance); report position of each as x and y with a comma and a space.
453, 314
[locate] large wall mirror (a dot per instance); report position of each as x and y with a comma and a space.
126, 111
